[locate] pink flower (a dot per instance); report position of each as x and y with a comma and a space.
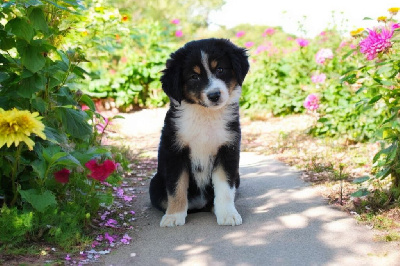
377, 41
249, 44
395, 26
311, 102
318, 78
261, 48
323, 54
302, 42
95, 243
85, 107
268, 31
102, 171
175, 21
240, 33
62, 176
102, 126
178, 33
323, 33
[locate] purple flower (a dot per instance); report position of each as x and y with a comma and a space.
126, 239
318, 78
68, 257
109, 238
249, 44
111, 223
378, 41
312, 102
302, 42
240, 33
322, 55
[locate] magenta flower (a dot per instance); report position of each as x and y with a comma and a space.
109, 238
62, 176
178, 33
261, 48
311, 102
318, 78
249, 44
101, 171
269, 31
395, 26
323, 54
377, 41
68, 257
175, 21
302, 42
240, 33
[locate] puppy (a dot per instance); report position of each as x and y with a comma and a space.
198, 156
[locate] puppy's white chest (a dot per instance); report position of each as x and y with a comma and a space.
203, 131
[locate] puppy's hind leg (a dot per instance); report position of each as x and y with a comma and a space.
158, 193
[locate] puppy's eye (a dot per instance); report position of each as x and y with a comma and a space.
220, 70
194, 77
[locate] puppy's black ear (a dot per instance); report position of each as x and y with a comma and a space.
240, 63
171, 79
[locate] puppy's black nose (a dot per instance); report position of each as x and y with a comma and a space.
214, 96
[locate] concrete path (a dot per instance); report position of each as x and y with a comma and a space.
285, 222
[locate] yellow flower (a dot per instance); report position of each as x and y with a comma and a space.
382, 19
16, 126
394, 10
84, 33
356, 32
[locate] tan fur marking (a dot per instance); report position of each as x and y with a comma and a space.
214, 64
197, 70
179, 202
232, 85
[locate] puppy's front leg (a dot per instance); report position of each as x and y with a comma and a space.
177, 203
224, 206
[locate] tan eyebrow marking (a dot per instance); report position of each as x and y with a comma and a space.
214, 64
197, 70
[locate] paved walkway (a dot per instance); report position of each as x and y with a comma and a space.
285, 222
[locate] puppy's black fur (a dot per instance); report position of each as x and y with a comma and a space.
198, 156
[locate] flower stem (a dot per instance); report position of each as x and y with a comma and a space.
14, 174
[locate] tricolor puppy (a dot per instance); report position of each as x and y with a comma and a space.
198, 156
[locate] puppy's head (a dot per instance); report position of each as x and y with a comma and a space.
206, 72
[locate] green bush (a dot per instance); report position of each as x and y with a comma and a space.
46, 139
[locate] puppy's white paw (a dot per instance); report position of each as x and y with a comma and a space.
171, 220
228, 217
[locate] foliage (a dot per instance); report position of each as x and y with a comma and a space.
39, 77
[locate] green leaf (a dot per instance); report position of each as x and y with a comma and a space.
375, 99
367, 18
40, 167
68, 160
20, 28
30, 85
88, 101
38, 20
39, 201
74, 122
360, 193
3, 76
6, 41
56, 157
31, 56
361, 179
55, 136
384, 69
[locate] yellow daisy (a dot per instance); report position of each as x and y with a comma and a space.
394, 10
356, 32
382, 19
16, 126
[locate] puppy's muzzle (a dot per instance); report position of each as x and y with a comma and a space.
214, 96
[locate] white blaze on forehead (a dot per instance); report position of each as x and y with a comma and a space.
204, 61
